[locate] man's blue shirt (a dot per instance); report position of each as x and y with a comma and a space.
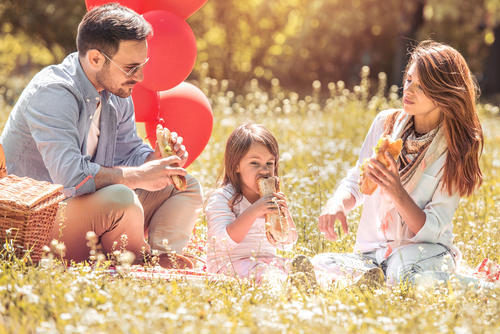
45, 137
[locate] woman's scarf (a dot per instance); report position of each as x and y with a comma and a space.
414, 149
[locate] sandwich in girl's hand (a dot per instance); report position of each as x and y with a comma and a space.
385, 144
166, 145
277, 228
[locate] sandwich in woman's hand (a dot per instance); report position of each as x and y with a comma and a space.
277, 228
166, 146
385, 144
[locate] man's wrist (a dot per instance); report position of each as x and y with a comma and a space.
131, 177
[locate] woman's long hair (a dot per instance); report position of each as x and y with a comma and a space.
237, 146
446, 79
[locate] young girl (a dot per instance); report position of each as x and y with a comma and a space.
237, 242
406, 224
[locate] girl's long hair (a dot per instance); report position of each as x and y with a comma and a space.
446, 79
237, 146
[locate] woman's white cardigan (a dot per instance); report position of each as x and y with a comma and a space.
424, 187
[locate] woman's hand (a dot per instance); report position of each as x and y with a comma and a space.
386, 178
333, 211
390, 185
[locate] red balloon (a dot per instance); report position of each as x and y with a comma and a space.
183, 8
135, 5
185, 110
146, 103
171, 51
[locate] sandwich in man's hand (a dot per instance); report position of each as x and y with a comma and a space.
166, 146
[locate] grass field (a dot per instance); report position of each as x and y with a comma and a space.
319, 140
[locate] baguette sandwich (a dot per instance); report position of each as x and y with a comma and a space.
166, 146
277, 228
385, 144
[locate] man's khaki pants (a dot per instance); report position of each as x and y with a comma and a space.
167, 217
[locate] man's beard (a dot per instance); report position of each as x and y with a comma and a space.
102, 78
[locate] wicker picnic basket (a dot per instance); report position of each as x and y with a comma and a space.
28, 210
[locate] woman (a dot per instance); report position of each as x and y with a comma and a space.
406, 224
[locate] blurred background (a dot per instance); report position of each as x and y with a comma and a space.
295, 41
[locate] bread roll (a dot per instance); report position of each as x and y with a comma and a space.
166, 145
385, 144
277, 229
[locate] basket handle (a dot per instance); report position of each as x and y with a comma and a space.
3, 167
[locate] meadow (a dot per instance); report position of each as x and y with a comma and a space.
320, 134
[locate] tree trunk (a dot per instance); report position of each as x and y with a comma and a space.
406, 40
491, 71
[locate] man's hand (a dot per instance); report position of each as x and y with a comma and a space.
179, 149
156, 174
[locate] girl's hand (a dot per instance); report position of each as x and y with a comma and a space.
386, 178
264, 205
280, 199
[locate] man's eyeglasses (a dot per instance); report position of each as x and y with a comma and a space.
130, 72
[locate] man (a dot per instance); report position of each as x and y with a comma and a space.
74, 125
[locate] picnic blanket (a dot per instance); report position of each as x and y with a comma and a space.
195, 250
158, 272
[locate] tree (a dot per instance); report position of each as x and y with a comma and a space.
297, 41
51, 22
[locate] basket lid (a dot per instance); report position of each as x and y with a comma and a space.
26, 191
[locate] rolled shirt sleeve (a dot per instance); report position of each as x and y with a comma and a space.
439, 214
55, 132
350, 183
219, 216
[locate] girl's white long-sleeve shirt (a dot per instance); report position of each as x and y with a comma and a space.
221, 249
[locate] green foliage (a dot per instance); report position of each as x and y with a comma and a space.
20, 58
297, 41
50, 22
300, 41
319, 140
33, 34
